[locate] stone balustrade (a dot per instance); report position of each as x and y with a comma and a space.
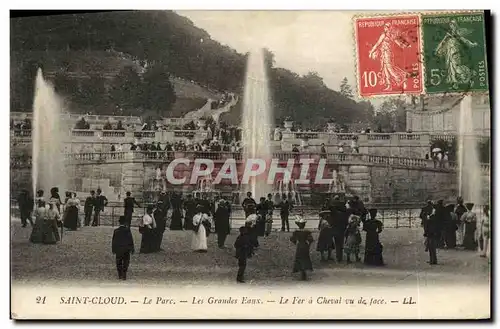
314, 138
18, 116
340, 158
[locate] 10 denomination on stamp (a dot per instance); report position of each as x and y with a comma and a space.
388, 55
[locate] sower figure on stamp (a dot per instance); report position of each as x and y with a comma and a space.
384, 50
88, 208
122, 246
100, 202
128, 207
244, 250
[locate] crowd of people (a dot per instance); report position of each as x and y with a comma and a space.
341, 223
455, 226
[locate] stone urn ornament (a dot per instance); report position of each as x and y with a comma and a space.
201, 123
330, 126
288, 124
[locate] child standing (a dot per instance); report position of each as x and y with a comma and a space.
244, 250
303, 239
353, 238
122, 247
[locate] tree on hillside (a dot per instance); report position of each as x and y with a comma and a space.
158, 92
92, 91
346, 89
126, 90
269, 58
391, 115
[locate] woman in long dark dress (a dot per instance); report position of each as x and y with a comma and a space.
147, 228
176, 223
325, 238
71, 214
40, 213
470, 220
373, 247
303, 239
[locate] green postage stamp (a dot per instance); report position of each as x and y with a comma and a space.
454, 52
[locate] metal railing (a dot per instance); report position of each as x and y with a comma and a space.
392, 216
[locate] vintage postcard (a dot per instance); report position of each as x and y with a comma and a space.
250, 165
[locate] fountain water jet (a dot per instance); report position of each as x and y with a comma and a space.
48, 166
257, 118
469, 167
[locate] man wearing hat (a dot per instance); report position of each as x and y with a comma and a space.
100, 202
247, 204
160, 216
432, 232
128, 207
426, 212
221, 218
122, 246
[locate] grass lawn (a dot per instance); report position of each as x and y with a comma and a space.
85, 255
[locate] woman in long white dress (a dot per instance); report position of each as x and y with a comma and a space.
483, 233
199, 240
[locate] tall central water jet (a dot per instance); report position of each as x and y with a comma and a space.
469, 167
48, 162
257, 118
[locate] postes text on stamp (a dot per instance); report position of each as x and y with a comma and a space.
388, 55
454, 53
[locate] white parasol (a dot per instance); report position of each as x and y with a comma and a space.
436, 149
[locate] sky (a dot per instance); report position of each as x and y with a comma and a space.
302, 41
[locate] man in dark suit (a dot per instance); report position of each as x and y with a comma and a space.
339, 218
99, 203
221, 218
25, 202
88, 208
160, 216
285, 208
122, 246
128, 205
432, 232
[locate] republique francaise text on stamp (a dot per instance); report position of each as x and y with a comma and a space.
454, 52
388, 55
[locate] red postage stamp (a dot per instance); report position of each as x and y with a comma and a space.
388, 55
